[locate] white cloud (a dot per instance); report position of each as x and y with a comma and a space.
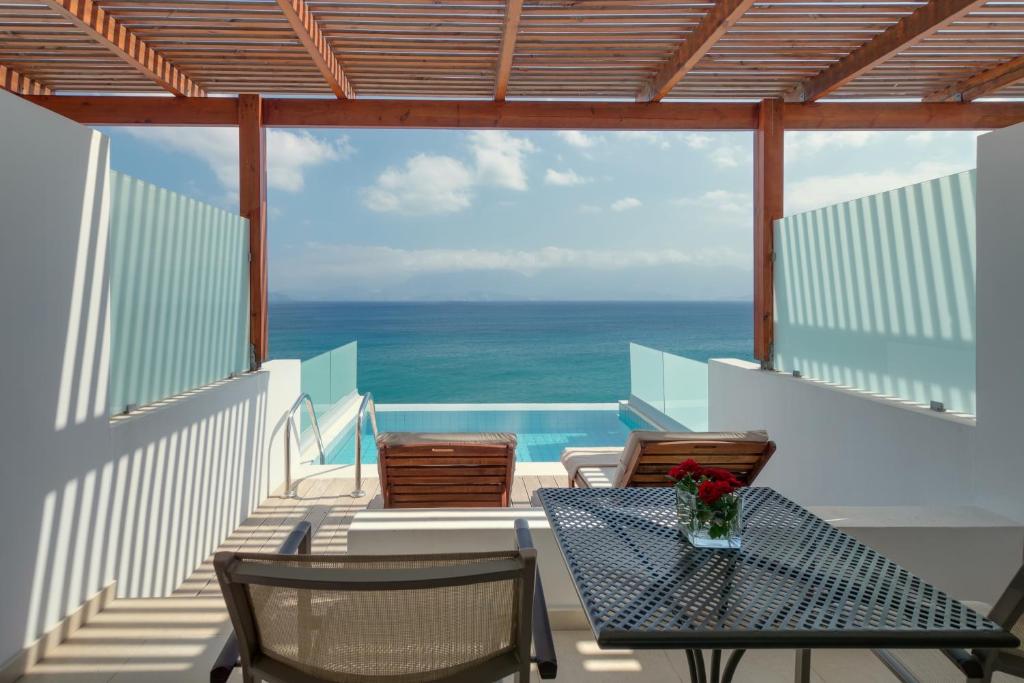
921, 137
566, 178
647, 136
332, 262
697, 140
823, 190
729, 156
289, 154
625, 204
435, 184
425, 185
719, 200
499, 158
806, 143
579, 139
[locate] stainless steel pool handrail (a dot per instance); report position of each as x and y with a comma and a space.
289, 419
366, 403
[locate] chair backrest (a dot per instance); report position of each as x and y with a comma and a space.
420, 470
648, 456
340, 618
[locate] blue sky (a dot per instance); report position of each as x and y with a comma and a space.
441, 215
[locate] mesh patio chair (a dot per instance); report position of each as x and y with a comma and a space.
460, 618
648, 456
938, 666
424, 470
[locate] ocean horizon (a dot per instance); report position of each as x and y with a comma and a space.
506, 351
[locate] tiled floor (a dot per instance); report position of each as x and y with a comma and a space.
177, 638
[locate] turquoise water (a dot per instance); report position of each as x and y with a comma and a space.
541, 434
502, 352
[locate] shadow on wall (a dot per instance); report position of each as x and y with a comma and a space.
86, 501
879, 293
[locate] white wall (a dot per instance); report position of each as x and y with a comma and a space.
53, 303
84, 500
1000, 360
840, 447
186, 473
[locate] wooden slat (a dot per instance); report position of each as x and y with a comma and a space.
905, 33
512, 115
312, 38
131, 49
694, 47
252, 193
903, 115
20, 84
509, 31
768, 190
112, 110
981, 84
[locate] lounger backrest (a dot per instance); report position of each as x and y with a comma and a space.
649, 456
419, 470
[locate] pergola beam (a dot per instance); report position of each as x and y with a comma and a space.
252, 200
509, 31
769, 145
905, 33
20, 84
697, 43
107, 31
313, 40
981, 84
99, 110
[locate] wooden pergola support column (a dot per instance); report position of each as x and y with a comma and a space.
769, 138
252, 196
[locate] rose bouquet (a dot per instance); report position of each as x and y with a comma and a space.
708, 504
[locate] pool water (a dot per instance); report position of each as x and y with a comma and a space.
542, 433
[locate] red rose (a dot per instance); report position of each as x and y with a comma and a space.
709, 490
720, 474
687, 468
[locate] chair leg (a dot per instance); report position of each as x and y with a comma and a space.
803, 666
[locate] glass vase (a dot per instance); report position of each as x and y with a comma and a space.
717, 526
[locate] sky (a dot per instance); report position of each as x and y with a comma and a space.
509, 215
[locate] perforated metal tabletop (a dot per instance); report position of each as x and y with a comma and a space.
797, 582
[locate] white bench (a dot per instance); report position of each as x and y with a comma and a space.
463, 530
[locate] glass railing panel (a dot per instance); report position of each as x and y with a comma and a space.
179, 293
646, 375
316, 379
878, 294
329, 378
343, 371
686, 392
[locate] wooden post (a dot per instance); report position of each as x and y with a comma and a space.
769, 138
252, 195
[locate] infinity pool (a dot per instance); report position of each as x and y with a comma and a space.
542, 432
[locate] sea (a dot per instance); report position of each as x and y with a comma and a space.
506, 352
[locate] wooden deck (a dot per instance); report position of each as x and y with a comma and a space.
177, 638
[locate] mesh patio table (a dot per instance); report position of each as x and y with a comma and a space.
797, 583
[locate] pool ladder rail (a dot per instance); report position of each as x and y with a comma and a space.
366, 405
289, 490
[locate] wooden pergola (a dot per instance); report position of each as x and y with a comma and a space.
522, 64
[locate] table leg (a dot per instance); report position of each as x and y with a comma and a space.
803, 666
730, 665
699, 672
